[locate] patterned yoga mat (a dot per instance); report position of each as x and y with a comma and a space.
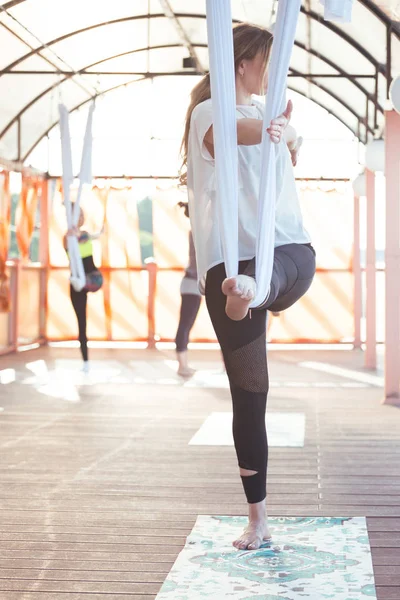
309, 558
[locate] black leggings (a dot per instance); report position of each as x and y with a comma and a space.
243, 345
79, 302
189, 309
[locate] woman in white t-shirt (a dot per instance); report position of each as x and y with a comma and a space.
242, 334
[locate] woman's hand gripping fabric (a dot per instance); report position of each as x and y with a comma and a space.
279, 124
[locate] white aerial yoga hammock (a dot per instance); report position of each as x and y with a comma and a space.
78, 277
222, 76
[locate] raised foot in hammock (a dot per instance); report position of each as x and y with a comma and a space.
240, 292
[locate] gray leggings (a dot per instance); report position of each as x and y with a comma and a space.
292, 275
244, 349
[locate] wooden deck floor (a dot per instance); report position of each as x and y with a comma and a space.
98, 495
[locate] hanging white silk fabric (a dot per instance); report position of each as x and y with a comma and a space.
223, 93
78, 277
222, 76
337, 10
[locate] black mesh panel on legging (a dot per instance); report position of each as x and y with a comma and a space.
244, 348
250, 436
246, 366
243, 344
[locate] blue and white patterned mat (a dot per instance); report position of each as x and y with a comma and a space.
308, 559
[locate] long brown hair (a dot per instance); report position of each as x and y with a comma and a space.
248, 42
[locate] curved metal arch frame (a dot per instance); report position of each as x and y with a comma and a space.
330, 112
347, 38
66, 36
77, 107
330, 93
379, 14
378, 67
312, 15
86, 101
11, 4
81, 71
339, 70
149, 48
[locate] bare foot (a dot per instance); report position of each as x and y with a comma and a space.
86, 367
254, 536
186, 372
240, 292
183, 365
257, 532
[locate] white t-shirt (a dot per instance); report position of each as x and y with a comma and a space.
289, 227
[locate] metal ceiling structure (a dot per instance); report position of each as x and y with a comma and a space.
81, 49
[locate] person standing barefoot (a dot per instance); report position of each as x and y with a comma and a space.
242, 333
190, 305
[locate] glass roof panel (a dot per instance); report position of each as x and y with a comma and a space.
12, 47
136, 96
167, 59
196, 29
70, 94
390, 7
346, 91
395, 55
367, 83
307, 63
50, 20
51, 58
9, 143
32, 123
134, 61
259, 12
102, 42
326, 101
45, 110
16, 91
28, 39
311, 128
365, 28
202, 54
163, 31
119, 141
103, 83
35, 63
329, 44
193, 7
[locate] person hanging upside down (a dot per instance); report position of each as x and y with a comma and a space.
94, 281
242, 334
